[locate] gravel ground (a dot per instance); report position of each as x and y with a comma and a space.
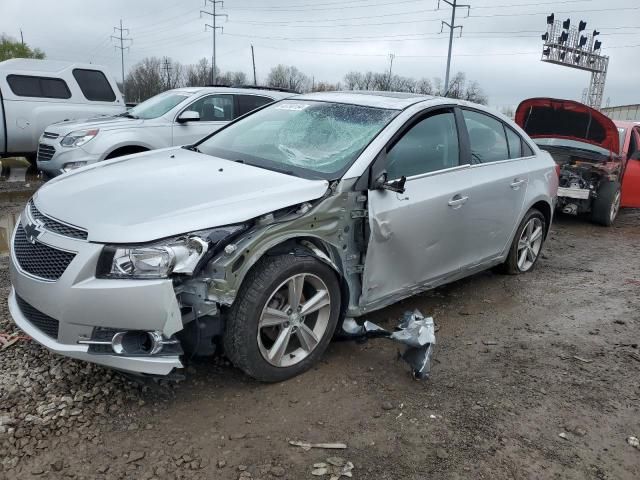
535, 376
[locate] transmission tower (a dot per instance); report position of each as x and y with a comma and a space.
214, 15
166, 64
122, 47
452, 26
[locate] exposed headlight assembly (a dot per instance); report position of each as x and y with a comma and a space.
184, 254
78, 138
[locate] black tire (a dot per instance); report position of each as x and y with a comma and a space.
605, 207
510, 266
32, 159
241, 332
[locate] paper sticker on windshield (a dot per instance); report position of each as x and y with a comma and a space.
296, 107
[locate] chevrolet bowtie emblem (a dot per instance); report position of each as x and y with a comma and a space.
33, 230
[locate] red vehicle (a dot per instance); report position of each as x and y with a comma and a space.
598, 160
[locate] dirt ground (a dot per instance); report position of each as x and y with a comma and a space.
535, 377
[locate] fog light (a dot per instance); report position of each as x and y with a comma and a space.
67, 167
137, 343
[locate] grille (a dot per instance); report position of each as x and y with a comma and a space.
38, 259
47, 325
50, 135
45, 152
55, 226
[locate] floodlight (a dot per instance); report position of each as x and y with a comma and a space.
545, 36
566, 24
596, 45
583, 41
550, 19
582, 25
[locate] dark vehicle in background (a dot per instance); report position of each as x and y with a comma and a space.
593, 160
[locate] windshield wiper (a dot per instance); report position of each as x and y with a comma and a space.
273, 169
193, 148
128, 115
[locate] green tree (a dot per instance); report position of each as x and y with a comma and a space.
11, 48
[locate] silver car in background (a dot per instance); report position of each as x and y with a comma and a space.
263, 237
176, 117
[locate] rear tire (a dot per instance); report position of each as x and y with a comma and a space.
527, 244
606, 206
252, 332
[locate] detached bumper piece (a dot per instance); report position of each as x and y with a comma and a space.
414, 330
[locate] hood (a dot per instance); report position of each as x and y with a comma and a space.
554, 118
104, 122
157, 194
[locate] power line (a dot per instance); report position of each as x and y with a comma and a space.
452, 26
213, 28
122, 47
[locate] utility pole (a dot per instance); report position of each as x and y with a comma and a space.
122, 47
253, 60
391, 57
214, 27
452, 26
21, 38
167, 68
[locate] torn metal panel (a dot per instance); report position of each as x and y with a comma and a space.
414, 330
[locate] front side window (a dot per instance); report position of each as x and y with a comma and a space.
157, 106
312, 139
248, 103
486, 136
429, 146
214, 108
94, 85
41, 87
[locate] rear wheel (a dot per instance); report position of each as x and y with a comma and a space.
527, 244
283, 318
606, 206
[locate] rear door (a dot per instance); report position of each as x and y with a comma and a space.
418, 236
215, 111
631, 179
500, 165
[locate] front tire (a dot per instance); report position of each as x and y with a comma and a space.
283, 317
527, 244
606, 206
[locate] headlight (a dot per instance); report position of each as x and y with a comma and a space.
78, 138
182, 254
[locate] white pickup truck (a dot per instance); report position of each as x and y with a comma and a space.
36, 93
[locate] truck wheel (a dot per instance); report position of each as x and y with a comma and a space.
606, 206
283, 317
527, 244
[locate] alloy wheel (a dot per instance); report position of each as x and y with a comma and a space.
294, 320
530, 244
615, 206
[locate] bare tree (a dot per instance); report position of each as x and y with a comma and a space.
199, 74
145, 80
284, 76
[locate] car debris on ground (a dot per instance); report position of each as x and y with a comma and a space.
415, 331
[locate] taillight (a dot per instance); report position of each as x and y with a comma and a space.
558, 170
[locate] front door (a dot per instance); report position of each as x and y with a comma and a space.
215, 112
417, 236
631, 179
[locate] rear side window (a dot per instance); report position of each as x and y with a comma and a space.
39, 87
248, 103
94, 85
430, 145
515, 143
487, 138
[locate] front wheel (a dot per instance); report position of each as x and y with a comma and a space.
527, 244
283, 317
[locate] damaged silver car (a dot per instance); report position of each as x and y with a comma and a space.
262, 238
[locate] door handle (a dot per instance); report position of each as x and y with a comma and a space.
517, 182
457, 201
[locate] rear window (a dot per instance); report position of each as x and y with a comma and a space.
248, 103
94, 85
39, 87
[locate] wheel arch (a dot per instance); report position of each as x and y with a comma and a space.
126, 149
545, 208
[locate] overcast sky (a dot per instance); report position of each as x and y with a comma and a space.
500, 45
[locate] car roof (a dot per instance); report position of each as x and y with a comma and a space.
247, 91
33, 66
389, 100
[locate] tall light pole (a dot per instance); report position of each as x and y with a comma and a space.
214, 15
122, 48
452, 26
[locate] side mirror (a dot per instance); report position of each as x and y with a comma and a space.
189, 116
635, 155
382, 183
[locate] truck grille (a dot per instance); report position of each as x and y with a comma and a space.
55, 226
38, 259
47, 325
45, 152
50, 135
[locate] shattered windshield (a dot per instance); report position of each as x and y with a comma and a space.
321, 138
